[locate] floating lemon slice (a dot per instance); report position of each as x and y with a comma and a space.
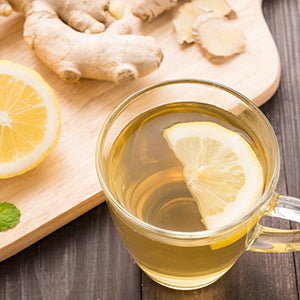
221, 170
29, 119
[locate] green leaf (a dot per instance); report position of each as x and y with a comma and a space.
9, 215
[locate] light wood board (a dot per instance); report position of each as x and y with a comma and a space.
65, 185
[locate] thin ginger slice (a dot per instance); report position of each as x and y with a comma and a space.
218, 39
185, 18
220, 8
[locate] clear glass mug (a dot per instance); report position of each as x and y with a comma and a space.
191, 260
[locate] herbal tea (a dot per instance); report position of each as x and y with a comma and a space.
149, 179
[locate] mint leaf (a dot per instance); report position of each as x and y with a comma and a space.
9, 215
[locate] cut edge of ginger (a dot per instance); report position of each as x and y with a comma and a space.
218, 38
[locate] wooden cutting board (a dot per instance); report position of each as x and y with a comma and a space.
65, 185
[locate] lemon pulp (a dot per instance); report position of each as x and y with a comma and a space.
220, 169
29, 119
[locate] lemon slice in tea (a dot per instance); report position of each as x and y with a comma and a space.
220, 169
29, 119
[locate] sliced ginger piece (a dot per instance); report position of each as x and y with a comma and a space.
218, 39
220, 8
184, 20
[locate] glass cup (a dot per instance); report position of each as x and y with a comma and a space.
190, 260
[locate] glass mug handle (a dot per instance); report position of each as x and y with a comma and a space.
279, 240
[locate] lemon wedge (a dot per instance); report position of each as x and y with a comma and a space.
220, 169
30, 119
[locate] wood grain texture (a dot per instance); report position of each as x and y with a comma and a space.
46, 195
291, 125
84, 260
87, 260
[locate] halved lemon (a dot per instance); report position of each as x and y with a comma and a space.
30, 119
220, 168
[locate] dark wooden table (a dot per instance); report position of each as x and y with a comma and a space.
87, 260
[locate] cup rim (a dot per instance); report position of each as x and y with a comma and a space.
268, 192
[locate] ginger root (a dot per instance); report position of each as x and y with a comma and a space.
73, 54
218, 38
146, 10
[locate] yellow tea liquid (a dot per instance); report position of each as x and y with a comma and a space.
147, 180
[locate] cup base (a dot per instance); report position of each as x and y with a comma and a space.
185, 283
